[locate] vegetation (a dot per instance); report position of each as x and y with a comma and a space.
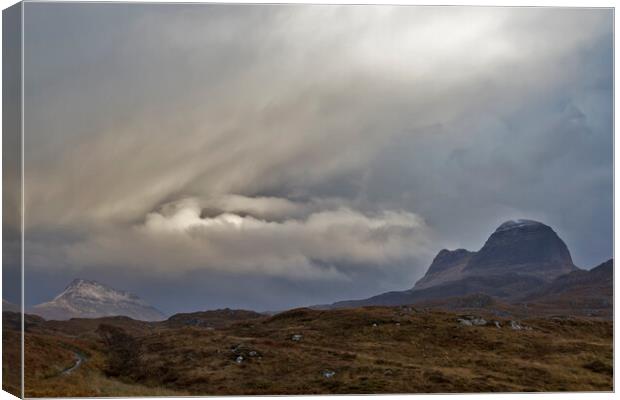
370, 350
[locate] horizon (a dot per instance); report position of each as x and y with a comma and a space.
237, 156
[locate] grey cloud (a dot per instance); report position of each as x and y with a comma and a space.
326, 244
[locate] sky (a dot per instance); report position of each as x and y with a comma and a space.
273, 156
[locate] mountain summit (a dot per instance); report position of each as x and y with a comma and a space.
529, 246
520, 256
90, 299
521, 250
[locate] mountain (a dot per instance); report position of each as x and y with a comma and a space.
591, 290
447, 266
519, 257
525, 247
91, 299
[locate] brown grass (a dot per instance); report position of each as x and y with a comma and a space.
11, 362
408, 351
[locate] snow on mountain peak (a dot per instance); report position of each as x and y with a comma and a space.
518, 223
93, 290
91, 299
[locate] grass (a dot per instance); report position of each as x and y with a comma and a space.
371, 350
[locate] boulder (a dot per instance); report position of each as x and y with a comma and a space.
471, 320
328, 373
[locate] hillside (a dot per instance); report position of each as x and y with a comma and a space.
211, 318
366, 350
590, 291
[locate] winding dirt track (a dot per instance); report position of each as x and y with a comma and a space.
79, 359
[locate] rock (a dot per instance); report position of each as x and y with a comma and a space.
374, 325
238, 348
471, 320
515, 325
242, 352
296, 337
328, 373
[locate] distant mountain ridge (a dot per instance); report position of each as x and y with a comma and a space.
212, 318
521, 258
591, 289
90, 299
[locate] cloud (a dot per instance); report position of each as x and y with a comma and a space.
261, 207
310, 142
327, 244
223, 111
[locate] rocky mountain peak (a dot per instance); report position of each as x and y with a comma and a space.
447, 259
84, 298
446, 266
520, 249
93, 290
519, 224
526, 244
82, 282
522, 260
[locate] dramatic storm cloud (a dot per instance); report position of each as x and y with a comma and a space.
312, 247
269, 156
